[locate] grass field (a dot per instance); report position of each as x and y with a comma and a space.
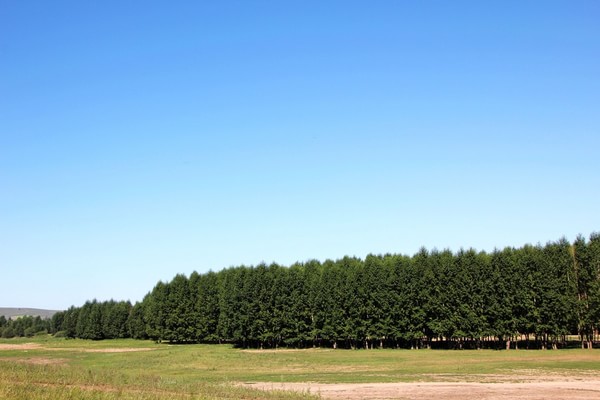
49, 368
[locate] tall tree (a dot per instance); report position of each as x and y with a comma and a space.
207, 306
155, 311
585, 277
593, 258
179, 311
136, 324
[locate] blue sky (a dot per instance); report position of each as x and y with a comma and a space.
139, 140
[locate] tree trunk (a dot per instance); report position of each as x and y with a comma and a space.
544, 342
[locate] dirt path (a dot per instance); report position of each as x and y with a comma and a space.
570, 389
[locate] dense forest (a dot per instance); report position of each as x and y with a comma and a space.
533, 296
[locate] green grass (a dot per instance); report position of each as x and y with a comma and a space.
77, 369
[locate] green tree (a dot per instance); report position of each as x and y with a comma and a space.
8, 332
234, 306
208, 288
593, 259
70, 322
57, 322
504, 302
586, 259
114, 319
179, 311
331, 303
558, 292
155, 311
136, 323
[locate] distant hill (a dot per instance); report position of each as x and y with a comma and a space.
9, 312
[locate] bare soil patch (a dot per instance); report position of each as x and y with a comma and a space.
21, 346
37, 346
282, 350
572, 388
115, 350
513, 376
38, 360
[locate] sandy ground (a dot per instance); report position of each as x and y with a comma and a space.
569, 388
23, 346
37, 346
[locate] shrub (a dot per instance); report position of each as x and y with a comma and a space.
8, 332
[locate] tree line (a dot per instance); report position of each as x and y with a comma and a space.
533, 296
26, 326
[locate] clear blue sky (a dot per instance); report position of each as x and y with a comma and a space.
139, 140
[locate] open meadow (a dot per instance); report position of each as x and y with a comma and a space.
49, 368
